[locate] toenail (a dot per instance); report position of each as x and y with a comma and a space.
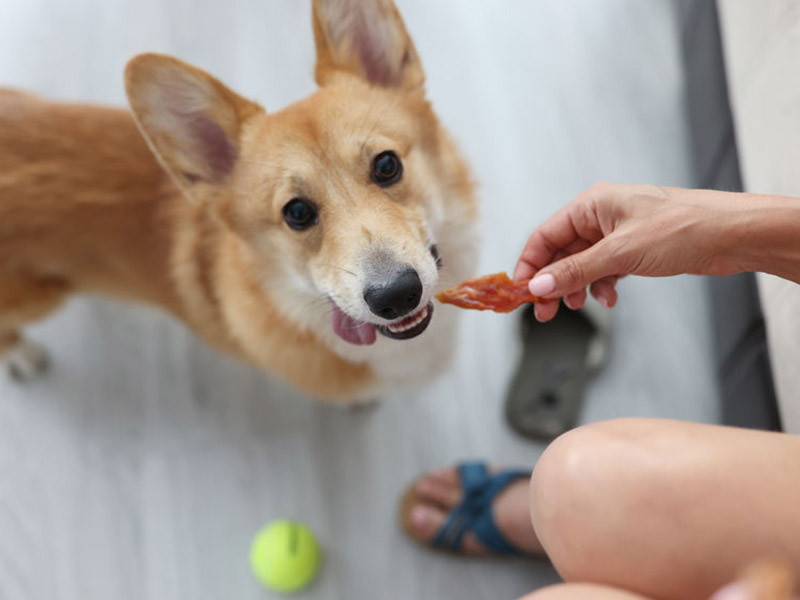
419, 516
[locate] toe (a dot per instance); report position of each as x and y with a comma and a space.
439, 492
426, 521
446, 474
442, 493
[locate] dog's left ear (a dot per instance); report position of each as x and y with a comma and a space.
191, 121
366, 38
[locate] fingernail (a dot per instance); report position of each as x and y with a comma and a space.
604, 302
568, 303
541, 285
734, 591
536, 313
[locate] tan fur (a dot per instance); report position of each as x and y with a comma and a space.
85, 206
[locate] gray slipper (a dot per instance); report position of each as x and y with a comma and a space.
558, 359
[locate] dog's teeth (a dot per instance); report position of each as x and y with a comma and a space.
401, 327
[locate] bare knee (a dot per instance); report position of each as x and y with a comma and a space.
559, 591
577, 591
591, 488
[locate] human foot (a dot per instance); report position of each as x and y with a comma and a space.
433, 498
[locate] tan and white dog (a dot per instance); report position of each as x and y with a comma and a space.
309, 241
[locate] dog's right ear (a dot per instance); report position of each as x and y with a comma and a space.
190, 120
366, 38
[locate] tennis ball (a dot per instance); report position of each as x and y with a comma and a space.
284, 556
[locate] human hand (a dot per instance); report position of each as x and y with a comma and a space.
613, 230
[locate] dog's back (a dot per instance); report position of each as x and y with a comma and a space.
70, 176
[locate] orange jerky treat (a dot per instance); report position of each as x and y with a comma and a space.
491, 292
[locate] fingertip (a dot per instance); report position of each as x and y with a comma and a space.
539, 314
607, 298
545, 311
612, 299
733, 591
575, 300
523, 271
605, 292
542, 285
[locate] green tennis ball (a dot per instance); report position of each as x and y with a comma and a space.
285, 556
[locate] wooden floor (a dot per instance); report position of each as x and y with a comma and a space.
142, 464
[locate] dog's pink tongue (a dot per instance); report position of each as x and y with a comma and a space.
352, 330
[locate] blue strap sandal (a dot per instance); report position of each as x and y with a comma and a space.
473, 514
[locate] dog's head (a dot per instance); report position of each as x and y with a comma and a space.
337, 198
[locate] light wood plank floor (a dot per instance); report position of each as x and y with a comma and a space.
141, 465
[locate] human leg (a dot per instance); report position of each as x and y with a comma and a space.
664, 508
581, 591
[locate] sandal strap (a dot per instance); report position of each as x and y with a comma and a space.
473, 476
474, 513
485, 529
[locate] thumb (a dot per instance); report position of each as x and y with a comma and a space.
572, 273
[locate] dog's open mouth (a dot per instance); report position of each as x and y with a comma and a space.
363, 333
411, 326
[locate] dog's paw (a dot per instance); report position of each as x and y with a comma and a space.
24, 361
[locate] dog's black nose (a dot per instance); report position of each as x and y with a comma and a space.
398, 297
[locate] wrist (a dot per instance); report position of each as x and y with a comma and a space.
759, 233
716, 227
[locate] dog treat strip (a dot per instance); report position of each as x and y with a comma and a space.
491, 292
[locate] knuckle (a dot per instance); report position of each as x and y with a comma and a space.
572, 272
616, 246
624, 256
599, 188
584, 219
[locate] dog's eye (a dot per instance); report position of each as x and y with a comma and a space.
300, 214
386, 169
435, 254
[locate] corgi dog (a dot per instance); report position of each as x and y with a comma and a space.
309, 241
